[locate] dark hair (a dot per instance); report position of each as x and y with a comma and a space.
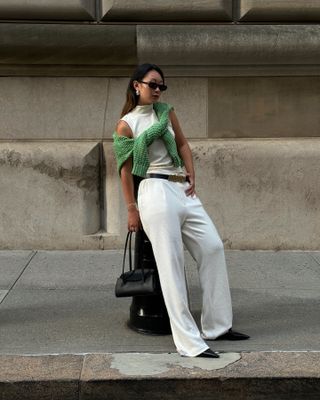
138, 75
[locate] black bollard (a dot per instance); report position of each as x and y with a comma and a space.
148, 314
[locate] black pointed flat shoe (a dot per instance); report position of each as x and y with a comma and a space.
208, 354
233, 335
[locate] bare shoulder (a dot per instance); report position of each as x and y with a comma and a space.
179, 136
123, 129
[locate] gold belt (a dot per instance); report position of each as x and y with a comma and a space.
171, 178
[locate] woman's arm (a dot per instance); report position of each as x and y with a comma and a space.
184, 151
134, 223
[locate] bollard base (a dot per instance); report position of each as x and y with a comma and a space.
148, 315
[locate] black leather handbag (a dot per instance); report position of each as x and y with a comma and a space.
135, 282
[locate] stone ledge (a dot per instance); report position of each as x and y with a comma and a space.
70, 10
190, 71
50, 195
80, 46
258, 190
283, 10
166, 10
229, 44
65, 44
281, 375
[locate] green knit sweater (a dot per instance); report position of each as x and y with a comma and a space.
137, 148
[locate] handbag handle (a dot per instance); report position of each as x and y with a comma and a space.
128, 241
126, 246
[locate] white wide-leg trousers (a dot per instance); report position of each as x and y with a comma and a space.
171, 219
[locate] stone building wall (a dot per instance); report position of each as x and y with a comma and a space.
243, 75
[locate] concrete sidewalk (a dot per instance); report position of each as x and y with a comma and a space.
63, 334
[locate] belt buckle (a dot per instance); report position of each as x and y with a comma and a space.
176, 178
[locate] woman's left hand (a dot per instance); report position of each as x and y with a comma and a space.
191, 191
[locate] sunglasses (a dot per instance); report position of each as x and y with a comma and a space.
154, 86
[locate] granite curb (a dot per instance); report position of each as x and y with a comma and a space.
254, 375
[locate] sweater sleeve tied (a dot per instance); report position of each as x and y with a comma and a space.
137, 148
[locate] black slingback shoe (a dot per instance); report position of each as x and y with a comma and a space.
233, 335
208, 354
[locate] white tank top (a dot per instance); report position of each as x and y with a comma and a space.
140, 119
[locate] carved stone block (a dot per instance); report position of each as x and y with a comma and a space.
280, 10
49, 195
73, 10
167, 10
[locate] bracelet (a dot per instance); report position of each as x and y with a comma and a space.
132, 204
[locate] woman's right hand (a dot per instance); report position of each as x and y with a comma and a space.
134, 223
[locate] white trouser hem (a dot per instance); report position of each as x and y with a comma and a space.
214, 337
194, 355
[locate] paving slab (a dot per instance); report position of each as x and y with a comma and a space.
78, 321
275, 297
269, 269
70, 321
316, 256
12, 264
275, 321
3, 294
71, 270
64, 303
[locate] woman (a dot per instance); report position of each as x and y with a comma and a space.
149, 143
